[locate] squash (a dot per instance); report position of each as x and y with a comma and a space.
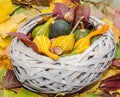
59, 27
80, 34
43, 29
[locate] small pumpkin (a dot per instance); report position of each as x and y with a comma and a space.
65, 42
59, 27
80, 34
42, 29
43, 43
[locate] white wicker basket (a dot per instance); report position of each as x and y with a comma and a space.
67, 75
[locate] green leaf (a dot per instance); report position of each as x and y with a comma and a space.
21, 93
117, 55
18, 10
2, 73
90, 94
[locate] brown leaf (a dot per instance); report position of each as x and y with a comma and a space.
82, 10
116, 63
116, 19
41, 2
10, 81
25, 40
111, 84
61, 9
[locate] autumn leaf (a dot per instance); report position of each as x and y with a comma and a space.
94, 10
5, 42
25, 40
90, 94
6, 8
117, 55
11, 25
5, 62
116, 63
9, 81
22, 92
2, 73
115, 31
111, 83
116, 19
48, 9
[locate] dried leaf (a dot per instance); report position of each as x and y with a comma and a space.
11, 25
41, 2
82, 10
25, 40
111, 84
116, 63
2, 73
116, 19
5, 62
6, 8
94, 10
5, 42
78, 1
94, 1
48, 9
104, 94
21, 93
115, 3
9, 81
61, 9
115, 31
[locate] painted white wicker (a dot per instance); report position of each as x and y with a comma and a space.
67, 75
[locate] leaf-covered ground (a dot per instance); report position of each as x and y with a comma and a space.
18, 12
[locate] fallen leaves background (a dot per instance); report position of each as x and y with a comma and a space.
107, 10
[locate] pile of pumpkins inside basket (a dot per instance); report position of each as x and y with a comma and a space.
55, 38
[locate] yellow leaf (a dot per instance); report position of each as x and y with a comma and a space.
5, 62
49, 9
5, 42
110, 72
6, 8
11, 25
67, 2
116, 31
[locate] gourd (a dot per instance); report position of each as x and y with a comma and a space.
58, 28
65, 42
43, 29
83, 43
43, 43
80, 34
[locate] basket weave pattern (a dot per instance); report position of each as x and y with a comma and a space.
69, 74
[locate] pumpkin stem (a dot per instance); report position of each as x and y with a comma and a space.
82, 27
76, 24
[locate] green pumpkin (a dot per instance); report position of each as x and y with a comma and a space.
59, 27
80, 34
